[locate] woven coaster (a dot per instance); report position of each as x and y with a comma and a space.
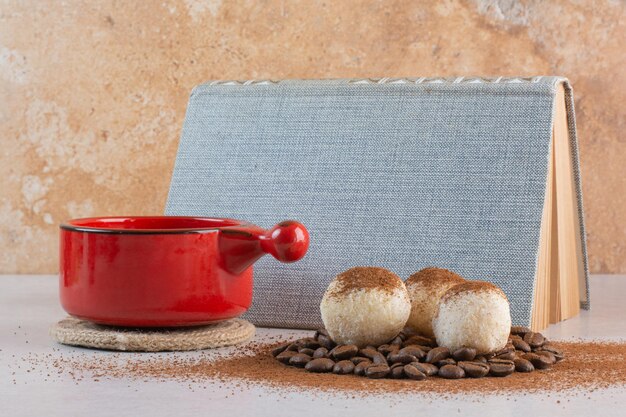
76, 332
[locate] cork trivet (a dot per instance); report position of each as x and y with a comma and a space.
76, 332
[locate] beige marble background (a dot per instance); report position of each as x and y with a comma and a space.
93, 93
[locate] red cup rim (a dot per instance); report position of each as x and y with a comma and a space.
149, 224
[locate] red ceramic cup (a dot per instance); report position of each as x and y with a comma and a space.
166, 271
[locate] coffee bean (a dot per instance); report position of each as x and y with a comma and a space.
451, 372
359, 368
420, 340
413, 350
446, 361
522, 365
401, 357
474, 369
501, 367
508, 348
345, 351
387, 349
480, 358
306, 351
535, 340
556, 352
437, 354
357, 359
299, 360
397, 371
320, 365
509, 356
368, 352
397, 341
321, 331
464, 354
293, 347
412, 372
427, 369
379, 359
520, 330
320, 352
326, 341
279, 349
519, 344
285, 356
539, 362
343, 367
377, 371
308, 342
548, 355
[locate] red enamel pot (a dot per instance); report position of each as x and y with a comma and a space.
166, 271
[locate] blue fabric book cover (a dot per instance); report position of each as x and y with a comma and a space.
399, 173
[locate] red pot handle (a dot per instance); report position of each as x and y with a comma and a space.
241, 246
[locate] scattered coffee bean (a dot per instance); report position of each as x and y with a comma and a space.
427, 369
321, 331
451, 372
539, 362
359, 368
326, 341
401, 357
446, 361
279, 349
413, 350
501, 367
377, 371
299, 360
320, 352
464, 354
356, 359
474, 369
397, 371
343, 367
319, 365
519, 344
509, 356
379, 359
522, 365
308, 342
368, 352
285, 356
535, 340
420, 340
549, 355
412, 372
387, 349
345, 352
397, 341
306, 351
556, 352
520, 330
437, 354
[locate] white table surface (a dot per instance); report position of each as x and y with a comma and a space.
28, 306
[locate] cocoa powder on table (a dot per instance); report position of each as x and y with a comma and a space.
587, 366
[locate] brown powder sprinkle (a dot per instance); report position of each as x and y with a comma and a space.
472, 287
587, 366
434, 277
367, 278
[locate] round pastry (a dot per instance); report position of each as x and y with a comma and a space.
365, 306
425, 289
474, 314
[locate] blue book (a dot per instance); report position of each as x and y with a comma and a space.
476, 175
